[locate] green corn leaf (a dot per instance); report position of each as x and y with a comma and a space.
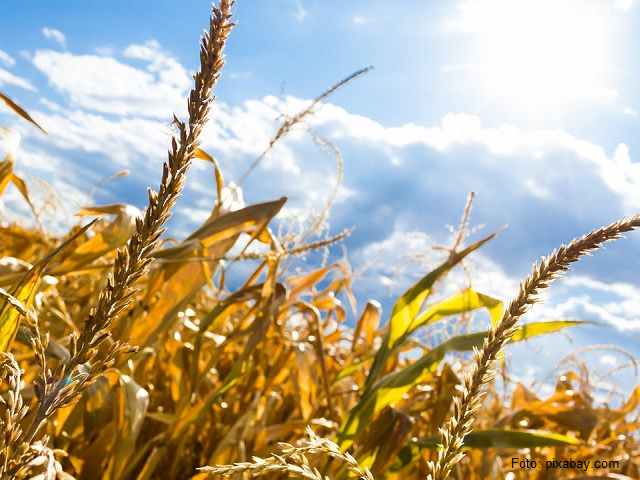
393, 386
466, 300
490, 438
408, 305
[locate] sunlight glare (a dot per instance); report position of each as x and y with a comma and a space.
542, 51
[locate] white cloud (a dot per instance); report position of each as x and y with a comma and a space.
630, 111
53, 106
13, 207
55, 35
6, 59
170, 72
8, 78
40, 162
125, 141
625, 290
106, 85
580, 297
619, 174
583, 308
537, 190
359, 20
385, 255
301, 13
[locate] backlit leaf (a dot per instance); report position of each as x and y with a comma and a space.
408, 305
489, 438
393, 386
112, 237
24, 292
19, 110
11, 139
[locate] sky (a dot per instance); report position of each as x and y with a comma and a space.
533, 105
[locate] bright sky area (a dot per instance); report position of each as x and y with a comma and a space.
534, 105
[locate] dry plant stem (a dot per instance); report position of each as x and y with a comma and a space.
299, 250
316, 224
459, 425
291, 121
65, 386
462, 230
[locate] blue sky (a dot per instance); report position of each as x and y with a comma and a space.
533, 105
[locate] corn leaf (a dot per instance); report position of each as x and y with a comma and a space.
354, 367
466, 300
387, 436
112, 237
489, 438
24, 292
272, 299
498, 438
178, 279
21, 185
392, 387
368, 323
530, 330
224, 227
245, 294
20, 111
408, 305
11, 139
130, 407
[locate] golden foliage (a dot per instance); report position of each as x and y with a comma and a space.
264, 378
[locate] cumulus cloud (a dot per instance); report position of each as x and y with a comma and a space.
582, 307
56, 36
6, 59
544, 158
581, 297
608, 360
106, 85
532, 149
125, 141
168, 70
53, 106
8, 78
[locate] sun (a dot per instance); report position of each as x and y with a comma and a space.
540, 52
